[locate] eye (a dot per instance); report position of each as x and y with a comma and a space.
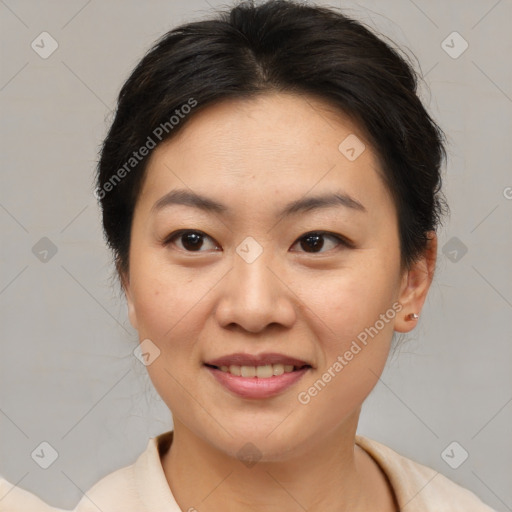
192, 241
314, 240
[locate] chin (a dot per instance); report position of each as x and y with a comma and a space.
256, 443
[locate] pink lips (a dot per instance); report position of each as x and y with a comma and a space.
254, 387
241, 359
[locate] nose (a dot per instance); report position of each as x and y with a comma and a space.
253, 296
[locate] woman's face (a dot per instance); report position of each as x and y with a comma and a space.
244, 279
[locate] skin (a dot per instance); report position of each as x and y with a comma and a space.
254, 156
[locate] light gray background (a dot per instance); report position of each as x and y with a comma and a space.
67, 373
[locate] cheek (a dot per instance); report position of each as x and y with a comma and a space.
163, 299
167, 314
358, 310
357, 317
349, 302
168, 310
354, 342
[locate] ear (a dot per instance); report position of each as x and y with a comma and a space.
125, 283
415, 285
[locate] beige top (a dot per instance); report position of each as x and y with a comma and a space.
142, 486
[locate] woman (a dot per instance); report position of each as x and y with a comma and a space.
271, 189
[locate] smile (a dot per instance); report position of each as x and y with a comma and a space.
262, 372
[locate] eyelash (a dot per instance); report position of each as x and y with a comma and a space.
341, 240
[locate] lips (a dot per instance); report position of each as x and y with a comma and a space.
254, 386
256, 360
261, 366
257, 376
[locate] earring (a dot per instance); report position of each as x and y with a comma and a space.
412, 316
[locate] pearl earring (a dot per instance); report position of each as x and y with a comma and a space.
412, 316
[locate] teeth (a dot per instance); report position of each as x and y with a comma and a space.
235, 370
262, 372
248, 371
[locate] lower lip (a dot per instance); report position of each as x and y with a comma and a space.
254, 387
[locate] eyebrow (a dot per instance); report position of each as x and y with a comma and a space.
305, 204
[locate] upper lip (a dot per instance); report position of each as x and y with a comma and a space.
241, 359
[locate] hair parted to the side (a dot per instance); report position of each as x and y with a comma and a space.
277, 46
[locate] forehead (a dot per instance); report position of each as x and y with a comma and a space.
273, 125
265, 148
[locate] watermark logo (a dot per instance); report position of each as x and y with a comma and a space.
44, 45
454, 455
454, 45
146, 352
44, 250
44, 455
249, 455
454, 249
249, 250
351, 147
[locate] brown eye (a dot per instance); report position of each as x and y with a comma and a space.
191, 241
314, 242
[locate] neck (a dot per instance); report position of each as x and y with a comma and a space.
330, 475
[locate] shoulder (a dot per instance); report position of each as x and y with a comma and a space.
419, 487
138, 487
16, 499
115, 492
